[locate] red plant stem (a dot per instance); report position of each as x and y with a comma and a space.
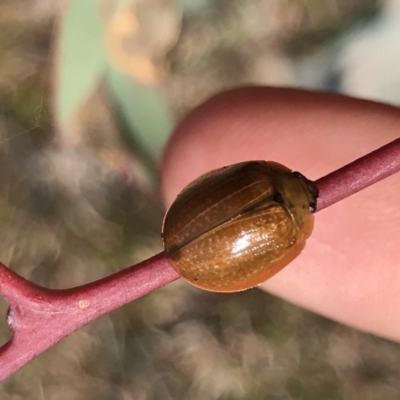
39, 317
359, 174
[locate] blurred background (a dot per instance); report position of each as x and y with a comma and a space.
90, 91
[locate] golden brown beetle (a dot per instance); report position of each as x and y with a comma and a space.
235, 227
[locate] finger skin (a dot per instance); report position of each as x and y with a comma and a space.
350, 268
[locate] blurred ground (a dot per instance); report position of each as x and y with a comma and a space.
79, 199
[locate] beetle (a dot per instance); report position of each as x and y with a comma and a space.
235, 227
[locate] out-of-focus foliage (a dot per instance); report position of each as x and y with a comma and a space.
123, 45
82, 61
89, 90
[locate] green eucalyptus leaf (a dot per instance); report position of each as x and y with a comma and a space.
82, 59
143, 112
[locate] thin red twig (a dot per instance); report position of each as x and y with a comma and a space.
359, 174
39, 317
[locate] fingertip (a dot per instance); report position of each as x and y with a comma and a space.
351, 260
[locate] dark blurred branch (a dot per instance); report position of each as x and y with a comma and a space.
38, 317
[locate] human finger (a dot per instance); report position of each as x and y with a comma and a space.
349, 270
